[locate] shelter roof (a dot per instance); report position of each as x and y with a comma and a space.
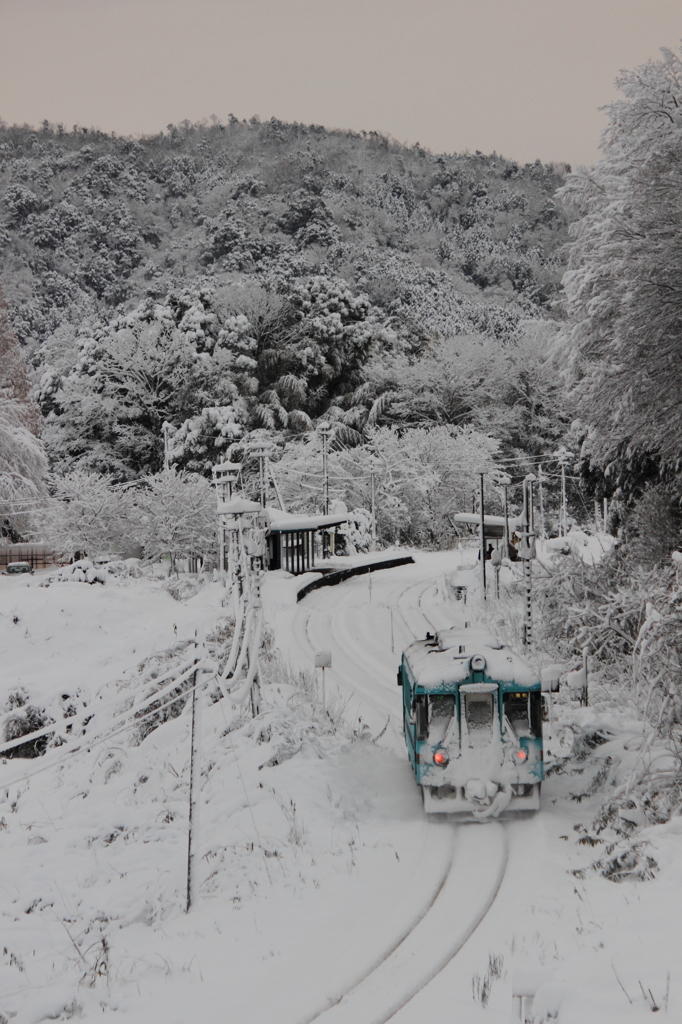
288, 522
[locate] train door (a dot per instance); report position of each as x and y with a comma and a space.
415, 714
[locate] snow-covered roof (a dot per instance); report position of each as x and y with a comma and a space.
288, 522
237, 506
493, 525
445, 659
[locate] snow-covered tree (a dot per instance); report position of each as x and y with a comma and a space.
623, 282
86, 514
173, 513
329, 338
510, 391
23, 464
422, 476
163, 362
203, 440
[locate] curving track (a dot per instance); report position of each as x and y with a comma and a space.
356, 625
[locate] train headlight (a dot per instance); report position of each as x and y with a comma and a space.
441, 758
478, 663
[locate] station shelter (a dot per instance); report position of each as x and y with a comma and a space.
493, 529
294, 541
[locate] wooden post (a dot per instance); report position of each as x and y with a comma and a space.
194, 789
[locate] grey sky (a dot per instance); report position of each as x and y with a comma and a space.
522, 77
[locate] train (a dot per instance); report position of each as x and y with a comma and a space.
472, 716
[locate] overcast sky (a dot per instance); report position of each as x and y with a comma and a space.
524, 78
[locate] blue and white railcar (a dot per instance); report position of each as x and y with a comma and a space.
472, 713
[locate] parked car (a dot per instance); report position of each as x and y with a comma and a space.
14, 568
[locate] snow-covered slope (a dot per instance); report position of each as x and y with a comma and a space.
315, 858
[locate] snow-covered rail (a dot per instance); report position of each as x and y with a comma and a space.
358, 626
432, 942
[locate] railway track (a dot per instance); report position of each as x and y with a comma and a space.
453, 912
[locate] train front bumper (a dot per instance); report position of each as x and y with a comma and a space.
480, 799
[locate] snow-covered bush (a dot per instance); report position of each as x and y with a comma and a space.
82, 571
630, 620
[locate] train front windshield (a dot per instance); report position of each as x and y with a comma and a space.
523, 711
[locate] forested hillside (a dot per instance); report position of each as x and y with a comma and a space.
91, 221
226, 278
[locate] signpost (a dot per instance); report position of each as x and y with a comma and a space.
323, 660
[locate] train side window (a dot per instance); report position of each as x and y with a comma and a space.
442, 705
479, 717
535, 712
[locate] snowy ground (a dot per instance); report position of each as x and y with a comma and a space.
316, 859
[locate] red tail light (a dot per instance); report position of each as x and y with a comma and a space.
522, 755
441, 758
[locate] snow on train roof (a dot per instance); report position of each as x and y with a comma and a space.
445, 658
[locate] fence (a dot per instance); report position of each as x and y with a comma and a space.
39, 556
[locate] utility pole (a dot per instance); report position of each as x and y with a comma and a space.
542, 503
261, 455
325, 430
563, 456
374, 513
527, 553
276, 488
505, 481
224, 476
482, 471
166, 447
